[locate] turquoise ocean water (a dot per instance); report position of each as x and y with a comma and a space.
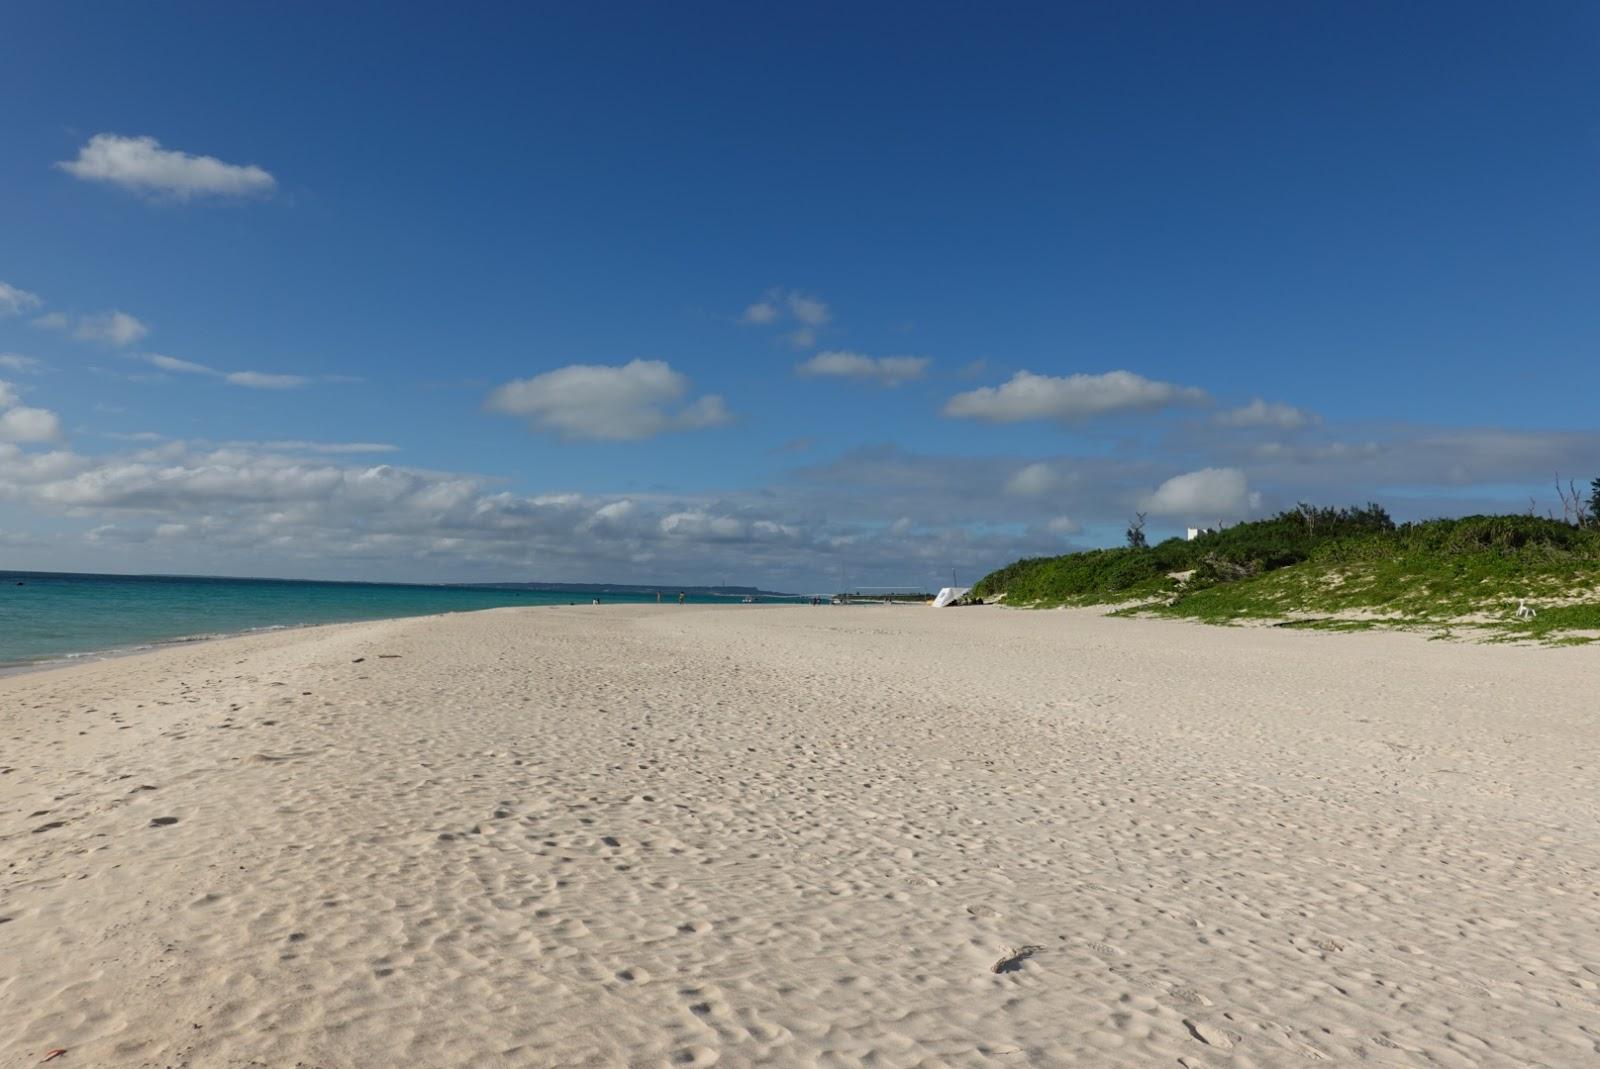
50, 616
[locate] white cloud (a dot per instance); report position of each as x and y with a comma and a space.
14, 301
172, 363
636, 400
612, 516
114, 328
142, 165
19, 423
1063, 526
886, 370
760, 313
1259, 413
18, 362
1075, 397
260, 380
699, 526
255, 380
1032, 481
1209, 493
808, 312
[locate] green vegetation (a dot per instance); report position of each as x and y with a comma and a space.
1341, 569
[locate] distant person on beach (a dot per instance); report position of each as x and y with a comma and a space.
680, 597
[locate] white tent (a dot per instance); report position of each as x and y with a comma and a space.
950, 595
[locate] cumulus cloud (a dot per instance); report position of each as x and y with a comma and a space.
1068, 399
1207, 493
142, 165
264, 508
804, 312
255, 380
702, 527
1259, 413
600, 402
14, 301
882, 514
884, 370
19, 423
18, 362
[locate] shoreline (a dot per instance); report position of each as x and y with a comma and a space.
646, 836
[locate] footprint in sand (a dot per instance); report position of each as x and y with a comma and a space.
1209, 1034
52, 826
162, 822
1014, 957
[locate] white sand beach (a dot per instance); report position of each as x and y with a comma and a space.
640, 835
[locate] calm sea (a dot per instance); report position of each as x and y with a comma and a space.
47, 616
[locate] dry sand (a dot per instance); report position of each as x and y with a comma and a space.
802, 836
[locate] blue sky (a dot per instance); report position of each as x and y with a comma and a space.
606, 292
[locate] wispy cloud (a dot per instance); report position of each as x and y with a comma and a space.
255, 380
24, 364
1033, 480
142, 165
885, 370
804, 312
1068, 399
599, 402
113, 327
795, 445
1275, 416
14, 301
261, 380
329, 448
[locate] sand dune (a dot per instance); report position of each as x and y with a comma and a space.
648, 836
